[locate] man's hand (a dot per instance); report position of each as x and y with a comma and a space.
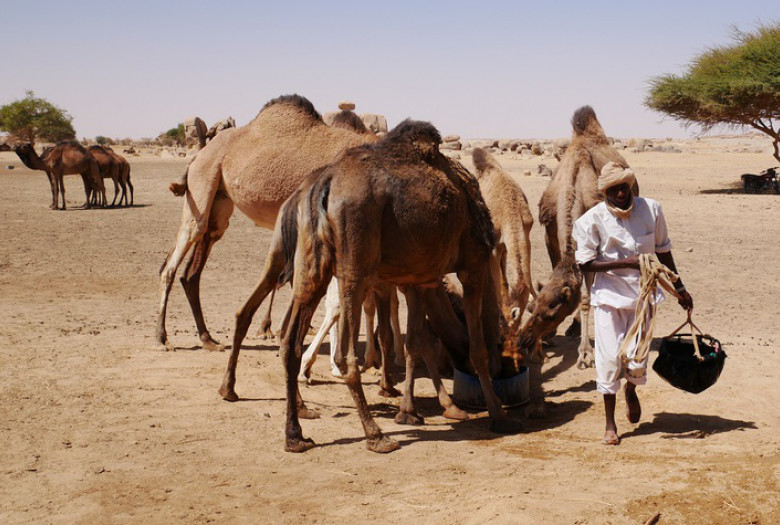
685, 300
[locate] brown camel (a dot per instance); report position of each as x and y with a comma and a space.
109, 168
124, 176
66, 158
254, 167
572, 191
512, 222
396, 211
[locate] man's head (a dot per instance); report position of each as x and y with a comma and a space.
615, 183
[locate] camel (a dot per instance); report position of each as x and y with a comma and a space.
397, 211
66, 158
512, 222
124, 176
110, 168
572, 191
255, 168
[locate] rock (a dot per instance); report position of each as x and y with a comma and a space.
451, 138
451, 146
9, 167
544, 171
536, 148
346, 106
376, 123
527, 173
452, 154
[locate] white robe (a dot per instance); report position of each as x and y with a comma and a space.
602, 236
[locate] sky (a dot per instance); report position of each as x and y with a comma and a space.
478, 69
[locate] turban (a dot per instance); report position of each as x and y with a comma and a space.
613, 174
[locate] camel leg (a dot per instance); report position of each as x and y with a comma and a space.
536, 408
265, 324
331, 317
61, 186
54, 190
371, 356
398, 337
130, 186
123, 198
219, 219
274, 264
473, 286
87, 190
352, 296
382, 302
585, 357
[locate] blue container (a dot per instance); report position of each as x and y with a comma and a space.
512, 391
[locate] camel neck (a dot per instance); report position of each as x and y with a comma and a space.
31, 159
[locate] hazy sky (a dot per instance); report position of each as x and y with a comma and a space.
479, 69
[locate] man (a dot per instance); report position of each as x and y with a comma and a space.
610, 236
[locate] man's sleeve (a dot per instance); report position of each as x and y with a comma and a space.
662, 242
586, 236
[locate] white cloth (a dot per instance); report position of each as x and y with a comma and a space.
611, 326
602, 236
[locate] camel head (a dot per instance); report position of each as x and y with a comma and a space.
587, 133
558, 298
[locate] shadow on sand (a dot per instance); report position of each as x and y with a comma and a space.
688, 426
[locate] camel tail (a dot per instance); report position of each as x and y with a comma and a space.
320, 251
179, 188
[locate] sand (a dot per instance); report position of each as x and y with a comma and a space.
97, 426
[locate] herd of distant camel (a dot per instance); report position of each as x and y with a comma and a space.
93, 163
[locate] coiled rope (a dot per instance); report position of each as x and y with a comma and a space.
651, 274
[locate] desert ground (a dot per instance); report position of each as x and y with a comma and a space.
98, 425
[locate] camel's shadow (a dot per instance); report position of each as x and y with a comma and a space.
688, 426
476, 428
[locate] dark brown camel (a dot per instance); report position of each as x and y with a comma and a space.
124, 176
109, 168
66, 158
397, 211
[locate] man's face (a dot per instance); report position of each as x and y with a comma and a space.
619, 195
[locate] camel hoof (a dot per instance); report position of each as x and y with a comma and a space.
211, 345
335, 372
585, 362
388, 392
299, 445
536, 411
383, 445
303, 378
307, 413
453, 412
406, 418
506, 426
370, 365
228, 394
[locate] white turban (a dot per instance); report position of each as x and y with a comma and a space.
613, 174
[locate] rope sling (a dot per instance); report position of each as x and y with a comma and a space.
651, 273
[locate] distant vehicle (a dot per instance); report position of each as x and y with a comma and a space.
766, 180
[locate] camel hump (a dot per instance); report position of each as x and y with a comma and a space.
483, 160
413, 135
294, 100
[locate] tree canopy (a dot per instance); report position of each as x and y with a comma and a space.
736, 85
33, 117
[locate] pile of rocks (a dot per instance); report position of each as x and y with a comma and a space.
450, 145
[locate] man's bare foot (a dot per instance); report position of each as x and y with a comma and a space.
633, 408
611, 438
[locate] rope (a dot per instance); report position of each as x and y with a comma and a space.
651, 273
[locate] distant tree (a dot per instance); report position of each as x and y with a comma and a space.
737, 86
31, 118
104, 141
173, 136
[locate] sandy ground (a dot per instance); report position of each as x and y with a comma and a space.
97, 426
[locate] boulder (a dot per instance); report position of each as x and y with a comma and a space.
376, 123
346, 106
451, 138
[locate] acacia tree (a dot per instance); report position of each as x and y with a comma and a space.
33, 117
737, 86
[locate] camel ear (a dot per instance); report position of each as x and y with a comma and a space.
566, 293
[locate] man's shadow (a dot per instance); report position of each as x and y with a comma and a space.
688, 426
